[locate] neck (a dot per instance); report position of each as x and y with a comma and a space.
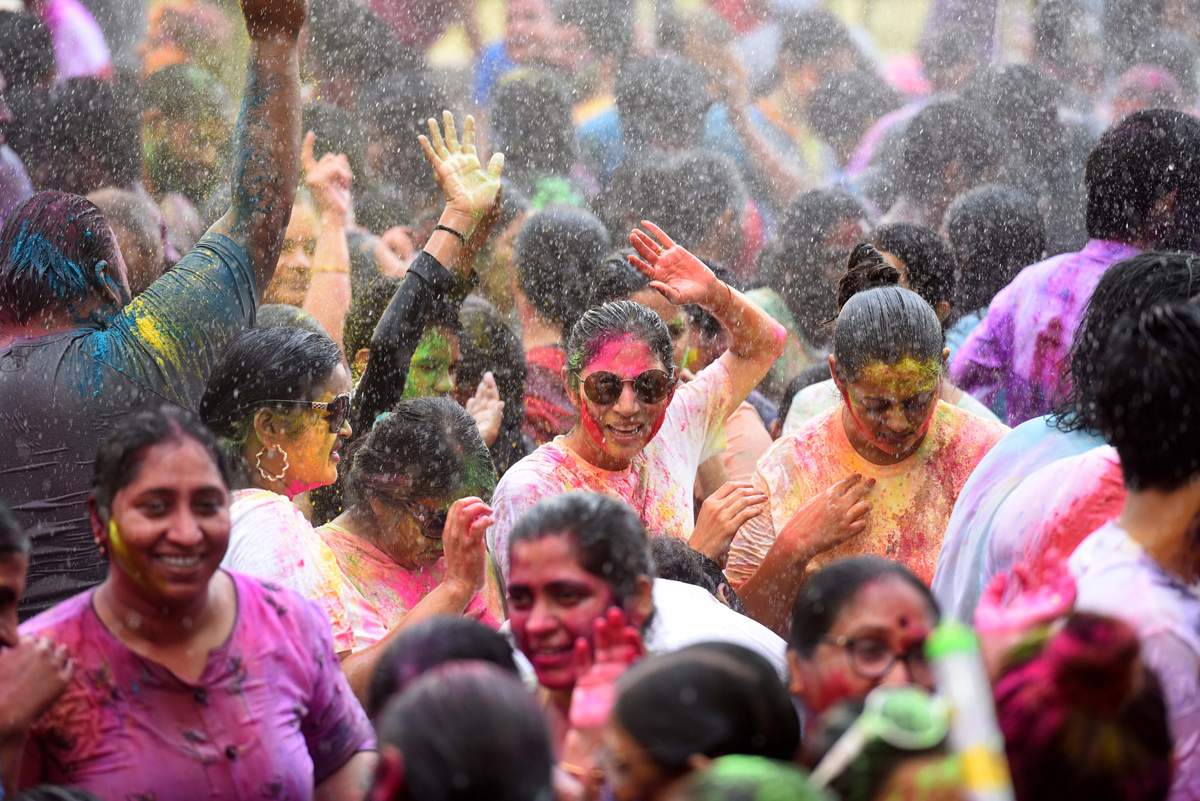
252, 478
536, 332
1160, 521
361, 522
580, 441
132, 618
46, 324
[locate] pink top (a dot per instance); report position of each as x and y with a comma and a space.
911, 503
79, 47
386, 591
271, 715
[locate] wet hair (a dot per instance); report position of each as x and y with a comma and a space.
469, 731
823, 597
941, 133
555, 254
619, 319
337, 131
608, 26
749, 778
424, 448
607, 534
945, 49
637, 190
927, 257
283, 315
810, 36
366, 309
1147, 380
94, 117
866, 268
995, 232
709, 699
13, 539
531, 117
398, 104
51, 248
702, 185
1084, 719
186, 92
1129, 286
259, 366
675, 560
121, 454
26, 50
1139, 160
1023, 100
349, 38
661, 101
616, 279
489, 344
424, 646
847, 104
885, 325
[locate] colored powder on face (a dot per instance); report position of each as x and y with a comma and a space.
125, 559
904, 378
429, 370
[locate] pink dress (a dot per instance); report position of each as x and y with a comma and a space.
271, 715
386, 591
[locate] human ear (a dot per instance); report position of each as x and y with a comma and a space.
943, 310
641, 605
572, 392
266, 425
833, 373
945, 355
389, 774
795, 674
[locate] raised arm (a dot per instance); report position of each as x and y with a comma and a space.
755, 339
266, 163
328, 296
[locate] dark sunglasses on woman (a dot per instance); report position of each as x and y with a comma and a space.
338, 409
653, 386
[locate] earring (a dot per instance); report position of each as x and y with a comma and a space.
267, 476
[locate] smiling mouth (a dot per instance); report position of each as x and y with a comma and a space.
626, 432
180, 562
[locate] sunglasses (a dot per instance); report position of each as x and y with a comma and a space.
338, 409
604, 388
433, 523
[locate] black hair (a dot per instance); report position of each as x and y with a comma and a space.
661, 101
555, 253
712, 699
366, 309
810, 36
824, 595
885, 324
259, 366
847, 104
531, 117
398, 104
96, 117
51, 249
283, 315
1147, 381
794, 262
469, 731
382, 205
995, 232
610, 538
13, 538
941, 133
424, 448
608, 26
701, 186
616, 279
637, 190
26, 50
1138, 161
337, 131
813, 374
928, 260
121, 454
1023, 100
622, 318
675, 560
1129, 286
945, 49
428, 644
866, 268
349, 38
489, 344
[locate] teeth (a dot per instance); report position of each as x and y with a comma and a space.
181, 561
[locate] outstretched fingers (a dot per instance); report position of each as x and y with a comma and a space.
468, 138
496, 166
666, 241
435, 137
451, 133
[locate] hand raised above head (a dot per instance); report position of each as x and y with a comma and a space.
266, 17
469, 190
676, 273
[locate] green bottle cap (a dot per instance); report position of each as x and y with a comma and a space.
949, 639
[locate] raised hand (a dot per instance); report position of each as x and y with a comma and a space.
466, 549
267, 17
469, 190
681, 277
329, 180
615, 645
487, 409
722, 514
829, 518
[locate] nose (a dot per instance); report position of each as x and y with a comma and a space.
628, 404
445, 384
896, 420
899, 673
185, 531
541, 621
346, 432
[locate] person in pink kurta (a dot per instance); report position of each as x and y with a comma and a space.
410, 543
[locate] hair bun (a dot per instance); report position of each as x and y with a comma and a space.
1094, 659
866, 268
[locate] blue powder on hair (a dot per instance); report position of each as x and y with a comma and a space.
40, 263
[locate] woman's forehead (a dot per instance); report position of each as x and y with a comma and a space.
625, 355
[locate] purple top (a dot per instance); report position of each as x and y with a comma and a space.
271, 715
80, 50
1020, 347
15, 185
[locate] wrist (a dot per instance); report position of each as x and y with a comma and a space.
331, 218
460, 589
719, 295
462, 221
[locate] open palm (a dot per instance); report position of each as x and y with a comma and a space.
676, 273
456, 167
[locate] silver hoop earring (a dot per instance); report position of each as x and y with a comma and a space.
267, 476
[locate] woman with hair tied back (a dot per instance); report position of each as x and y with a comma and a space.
891, 458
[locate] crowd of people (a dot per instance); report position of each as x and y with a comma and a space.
661, 401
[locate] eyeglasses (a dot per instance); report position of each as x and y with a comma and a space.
338, 409
872, 658
604, 388
433, 523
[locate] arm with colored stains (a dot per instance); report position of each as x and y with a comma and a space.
439, 272
266, 164
755, 339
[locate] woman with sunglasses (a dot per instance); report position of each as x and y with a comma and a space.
411, 541
642, 435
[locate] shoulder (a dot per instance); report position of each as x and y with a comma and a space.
959, 429
63, 623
